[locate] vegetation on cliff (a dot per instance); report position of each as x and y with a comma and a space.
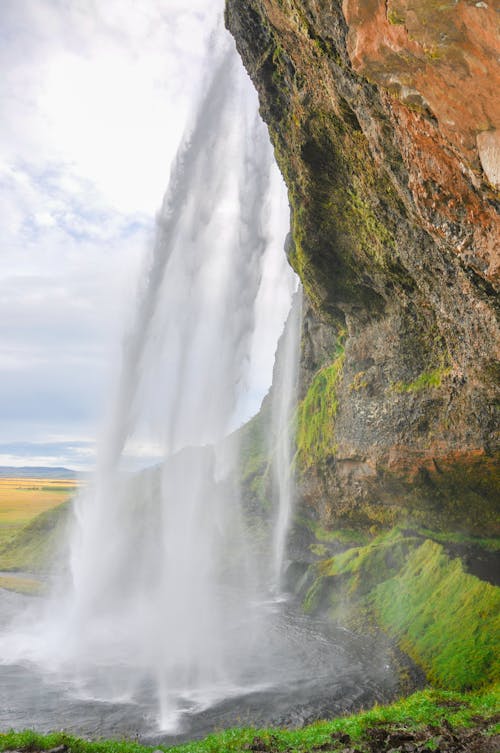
392, 240
443, 617
316, 415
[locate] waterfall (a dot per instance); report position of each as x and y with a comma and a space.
183, 613
162, 588
284, 401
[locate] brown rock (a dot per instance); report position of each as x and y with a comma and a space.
384, 118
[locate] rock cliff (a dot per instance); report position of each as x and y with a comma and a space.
385, 123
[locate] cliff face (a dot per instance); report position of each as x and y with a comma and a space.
383, 115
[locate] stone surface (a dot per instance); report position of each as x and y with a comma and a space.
488, 144
381, 116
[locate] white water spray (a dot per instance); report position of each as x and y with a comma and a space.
163, 585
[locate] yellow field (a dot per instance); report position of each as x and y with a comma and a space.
27, 586
22, 499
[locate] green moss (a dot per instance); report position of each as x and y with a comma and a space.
446, 619
359, 382
340, 224
320, 550
394, 18
373, 235
424, 381
348, 536
348, 577
427, 707
449, 537
316, 416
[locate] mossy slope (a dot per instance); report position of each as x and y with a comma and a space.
446, 619
316, 415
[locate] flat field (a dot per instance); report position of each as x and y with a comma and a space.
22, 499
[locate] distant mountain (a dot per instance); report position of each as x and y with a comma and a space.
7, 471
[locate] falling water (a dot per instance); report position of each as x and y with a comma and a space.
163, 587
182, 609
284, 401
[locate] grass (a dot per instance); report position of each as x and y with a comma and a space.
447, 620
254, 452
417, 711
32, 547
346, 536
424, 381
345, 579
31, 512
22, 499
316, 415
489, 544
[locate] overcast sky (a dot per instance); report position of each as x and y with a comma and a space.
94, 97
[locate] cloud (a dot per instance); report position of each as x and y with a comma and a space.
78, 455
94, 98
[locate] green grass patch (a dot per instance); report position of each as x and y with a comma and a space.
343, 536
415, 712
254, 454
348, 536
316, 415
450, 537
33, 547
444, 618
343, 582
424, 381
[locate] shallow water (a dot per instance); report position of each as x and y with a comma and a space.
315, 674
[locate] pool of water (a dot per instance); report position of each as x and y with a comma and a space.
315, 672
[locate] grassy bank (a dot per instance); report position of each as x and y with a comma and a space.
428, 712
23, 499
33, 546
446, 619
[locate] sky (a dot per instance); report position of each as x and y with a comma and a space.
94, 97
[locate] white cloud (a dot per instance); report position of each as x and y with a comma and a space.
94, 97
101, 88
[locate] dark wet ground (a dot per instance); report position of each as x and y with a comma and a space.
391, 738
